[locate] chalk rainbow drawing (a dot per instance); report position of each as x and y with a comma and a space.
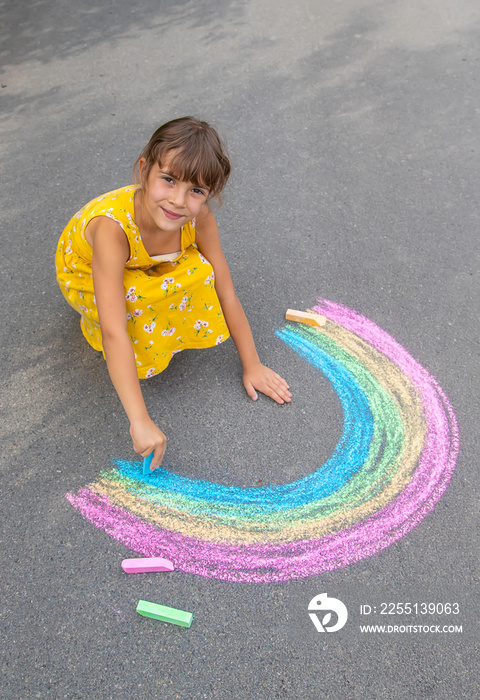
391, 465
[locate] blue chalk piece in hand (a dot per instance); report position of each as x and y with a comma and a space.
146, 464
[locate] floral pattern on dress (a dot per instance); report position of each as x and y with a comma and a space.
170, 305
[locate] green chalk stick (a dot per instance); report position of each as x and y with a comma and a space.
161, 612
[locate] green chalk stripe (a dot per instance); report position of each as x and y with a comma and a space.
161, 612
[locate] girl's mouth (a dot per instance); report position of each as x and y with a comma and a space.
171, 214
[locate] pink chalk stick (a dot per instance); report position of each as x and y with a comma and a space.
140, 566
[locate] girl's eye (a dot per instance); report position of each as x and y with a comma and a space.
197, 190
168, 179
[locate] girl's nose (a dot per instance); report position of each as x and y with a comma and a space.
178, 197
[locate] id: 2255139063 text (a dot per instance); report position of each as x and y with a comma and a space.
405, 608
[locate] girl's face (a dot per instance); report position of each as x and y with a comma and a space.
169, 202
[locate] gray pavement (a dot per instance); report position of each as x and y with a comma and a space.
353, 131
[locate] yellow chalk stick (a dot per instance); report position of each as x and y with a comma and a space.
311, 318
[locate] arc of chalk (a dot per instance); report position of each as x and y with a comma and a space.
272, 561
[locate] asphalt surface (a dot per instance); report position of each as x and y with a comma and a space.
353, 131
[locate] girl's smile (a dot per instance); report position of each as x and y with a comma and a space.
171, 215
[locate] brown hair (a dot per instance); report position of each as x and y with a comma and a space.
199, 156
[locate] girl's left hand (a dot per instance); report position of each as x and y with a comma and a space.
268, 382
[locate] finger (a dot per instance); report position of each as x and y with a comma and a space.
281, 388
273, 394
145, 452
284, 393
251, 391
281, 382
158, 456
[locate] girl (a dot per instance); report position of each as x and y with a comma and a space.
144, 268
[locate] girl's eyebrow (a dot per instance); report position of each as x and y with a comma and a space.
174, 177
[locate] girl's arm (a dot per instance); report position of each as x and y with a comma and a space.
110, 252
255, 375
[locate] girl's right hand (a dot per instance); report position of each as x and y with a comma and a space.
147, 438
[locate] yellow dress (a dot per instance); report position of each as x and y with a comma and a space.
170, 305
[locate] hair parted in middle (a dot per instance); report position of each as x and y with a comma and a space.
199, 156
